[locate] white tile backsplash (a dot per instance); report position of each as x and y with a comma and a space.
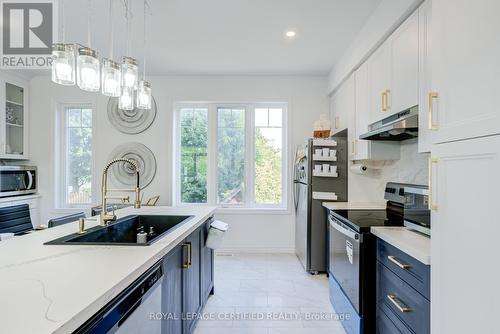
410, 168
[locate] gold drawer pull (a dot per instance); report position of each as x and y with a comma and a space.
432, 125
399, 264
432, 206
394, 300
187, 264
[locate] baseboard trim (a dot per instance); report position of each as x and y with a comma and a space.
275, 250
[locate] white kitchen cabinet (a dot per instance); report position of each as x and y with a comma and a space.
342, 105
425, 132
366, 149
466, 69
379, 81
464, 243
404, 65
13, 118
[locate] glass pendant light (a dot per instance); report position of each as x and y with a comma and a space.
130, 72
63, 59
126, 100
111, 78
111, 71
144, 96
87, 63
63, 64
87, 66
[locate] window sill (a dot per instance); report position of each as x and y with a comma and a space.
253, 211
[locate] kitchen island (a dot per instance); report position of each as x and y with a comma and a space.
57, 288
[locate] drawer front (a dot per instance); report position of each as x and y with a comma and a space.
390, 324
397, 297
412, 271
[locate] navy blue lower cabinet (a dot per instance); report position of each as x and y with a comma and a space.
207, 262
172, 292
188, 282
408, 268
192, 281
402, 286
390, 324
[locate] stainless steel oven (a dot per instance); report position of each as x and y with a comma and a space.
345, 245
17, 180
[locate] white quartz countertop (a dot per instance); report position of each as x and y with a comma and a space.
412, 243
354, 206
56, 288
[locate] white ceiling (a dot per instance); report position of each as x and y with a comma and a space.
228, 37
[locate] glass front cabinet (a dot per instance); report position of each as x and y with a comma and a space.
13, 118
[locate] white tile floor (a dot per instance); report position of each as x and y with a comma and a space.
267, 294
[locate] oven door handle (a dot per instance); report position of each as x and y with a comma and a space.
345, 231
30, 180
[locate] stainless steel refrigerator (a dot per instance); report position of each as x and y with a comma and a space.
312, 188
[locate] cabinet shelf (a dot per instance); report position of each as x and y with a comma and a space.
322, 158
321, 174
324, 142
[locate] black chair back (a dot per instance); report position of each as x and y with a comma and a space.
15, 219
96, 210
66, 219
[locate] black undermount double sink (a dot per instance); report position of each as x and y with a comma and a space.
124, 231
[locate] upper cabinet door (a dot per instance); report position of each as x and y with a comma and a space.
379, 81
466, 75
404, 65
425, 132
13, 123
361, 117
342, 105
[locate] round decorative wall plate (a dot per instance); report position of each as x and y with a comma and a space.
130, 121
123, 174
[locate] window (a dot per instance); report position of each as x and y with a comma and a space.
268, 155
231, 155
194, 163
75, 140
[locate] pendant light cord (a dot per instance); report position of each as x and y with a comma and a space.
146, 7
111, 30
128, 18
63, 28
89, 13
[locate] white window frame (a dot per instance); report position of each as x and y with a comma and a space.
60, 156
249, 204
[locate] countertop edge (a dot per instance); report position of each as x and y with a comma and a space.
384, 234
98, 304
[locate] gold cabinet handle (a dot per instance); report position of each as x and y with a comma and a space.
187, 264
383, 101
394, 300
337, 122
394, 260
432, 96
190, 248
387, 106
432, 205
352, 148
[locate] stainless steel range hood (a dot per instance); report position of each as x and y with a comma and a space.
397, 127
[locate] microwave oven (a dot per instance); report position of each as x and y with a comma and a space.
18, 180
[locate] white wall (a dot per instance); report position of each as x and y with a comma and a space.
410, 168
306, 97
